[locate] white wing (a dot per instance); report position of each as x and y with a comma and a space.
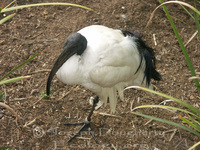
113, 57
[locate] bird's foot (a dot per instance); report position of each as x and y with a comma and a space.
86, 123
85, 127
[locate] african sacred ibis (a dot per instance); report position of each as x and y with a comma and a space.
105, 61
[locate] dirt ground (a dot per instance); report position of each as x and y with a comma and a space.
45, 28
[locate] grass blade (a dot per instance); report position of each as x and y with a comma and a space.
168, 122
167, 107
189, 123
10, 4
42, 4
193, 109
195, 145
187, 11
196, 123
1, 95
14, 79
6, 18
21, 65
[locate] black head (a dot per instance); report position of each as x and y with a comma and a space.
74, 44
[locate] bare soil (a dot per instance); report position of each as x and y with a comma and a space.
35, 29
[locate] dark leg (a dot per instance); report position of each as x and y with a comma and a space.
86, 123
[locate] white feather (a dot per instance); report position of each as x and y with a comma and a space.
107, 66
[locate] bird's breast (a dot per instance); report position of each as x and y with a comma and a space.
69, 72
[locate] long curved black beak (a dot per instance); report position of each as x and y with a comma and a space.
74, 44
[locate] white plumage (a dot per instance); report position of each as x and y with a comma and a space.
111, 60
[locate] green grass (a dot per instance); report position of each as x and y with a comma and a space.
22, 64
192, 121
187, 58
193, 114
196, 17
8, 8
3, 79
5, 147
42, 4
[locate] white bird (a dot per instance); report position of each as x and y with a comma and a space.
105, 61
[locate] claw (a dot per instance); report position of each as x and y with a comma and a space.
86, 123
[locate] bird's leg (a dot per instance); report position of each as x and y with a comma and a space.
86, 123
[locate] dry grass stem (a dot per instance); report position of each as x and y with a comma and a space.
113, 147
67, 93
38, 71
148, 122
132, 105
191, 78
110, 115
29, 123
173, 133
83, 138
192, 37
154, 38
12, 111
165, 101
36, 102
20, 99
